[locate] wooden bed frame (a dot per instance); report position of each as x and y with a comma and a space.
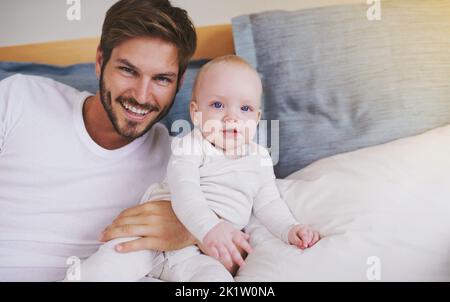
213, 41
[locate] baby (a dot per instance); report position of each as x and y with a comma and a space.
216, 177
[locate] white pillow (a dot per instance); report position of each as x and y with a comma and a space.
383, 212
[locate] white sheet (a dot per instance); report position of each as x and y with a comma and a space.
384, 213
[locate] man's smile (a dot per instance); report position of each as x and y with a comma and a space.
137, 113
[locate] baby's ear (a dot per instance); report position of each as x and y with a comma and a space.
193, 110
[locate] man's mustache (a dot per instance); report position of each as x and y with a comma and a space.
132, 101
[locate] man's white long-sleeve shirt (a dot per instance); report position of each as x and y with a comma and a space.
205, 185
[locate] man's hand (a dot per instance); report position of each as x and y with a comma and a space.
155, 222
303, 236
222, 243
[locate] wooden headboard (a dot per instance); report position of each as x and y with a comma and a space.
213, 41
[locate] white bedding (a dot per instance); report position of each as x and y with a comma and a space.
383, 212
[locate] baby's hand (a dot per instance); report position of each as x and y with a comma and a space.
221, 241
303, 236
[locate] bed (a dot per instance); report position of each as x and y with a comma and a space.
213, 41
361, 134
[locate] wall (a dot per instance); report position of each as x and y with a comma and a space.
31, 21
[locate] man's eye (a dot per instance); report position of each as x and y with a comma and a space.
217, 105
128, 70
246, 108
164, 80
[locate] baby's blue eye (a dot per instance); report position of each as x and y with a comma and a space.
217, 105
245, 108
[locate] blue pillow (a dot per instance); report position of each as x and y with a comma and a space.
83, 78
80, 76
180, 108
338, 82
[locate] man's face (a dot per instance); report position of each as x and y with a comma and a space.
138, 84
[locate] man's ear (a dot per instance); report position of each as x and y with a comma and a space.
98, 62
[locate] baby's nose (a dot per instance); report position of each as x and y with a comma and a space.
230, 116
229, 119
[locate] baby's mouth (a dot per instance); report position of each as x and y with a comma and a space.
230, 132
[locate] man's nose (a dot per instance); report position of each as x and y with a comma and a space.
143, 91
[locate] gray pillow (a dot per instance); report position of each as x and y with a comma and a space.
338, 82
83, 78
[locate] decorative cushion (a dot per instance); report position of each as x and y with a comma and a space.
338, 82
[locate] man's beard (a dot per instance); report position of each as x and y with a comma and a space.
129, 131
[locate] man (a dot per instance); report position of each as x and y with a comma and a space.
71, 162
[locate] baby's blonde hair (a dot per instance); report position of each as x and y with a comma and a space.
227, 59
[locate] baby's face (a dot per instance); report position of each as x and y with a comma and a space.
227, 105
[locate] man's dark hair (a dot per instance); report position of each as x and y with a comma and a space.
129, 19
